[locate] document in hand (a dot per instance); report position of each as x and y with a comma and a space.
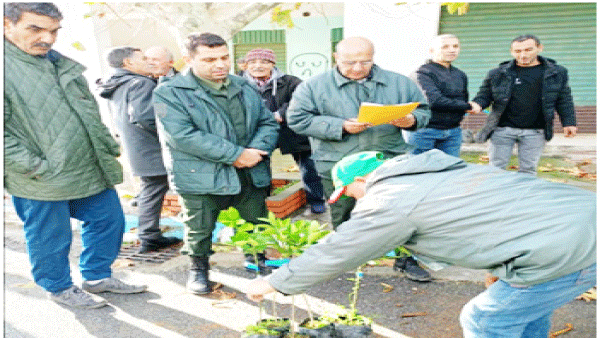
378, 114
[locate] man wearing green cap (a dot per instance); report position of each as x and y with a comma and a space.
538, 237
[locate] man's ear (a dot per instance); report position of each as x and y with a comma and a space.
541, 47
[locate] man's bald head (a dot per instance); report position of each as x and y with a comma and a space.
355, 44
354, 57
160, 60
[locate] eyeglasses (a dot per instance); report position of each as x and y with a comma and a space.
352, 63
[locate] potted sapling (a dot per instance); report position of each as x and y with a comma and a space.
290, 239
351, 324
252, 240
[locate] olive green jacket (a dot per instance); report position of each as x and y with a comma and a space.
55, 144
198, 139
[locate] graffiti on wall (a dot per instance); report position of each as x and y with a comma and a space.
308, 64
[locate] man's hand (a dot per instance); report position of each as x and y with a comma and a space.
257, 288
277, 117
352, 126
570, 131
249, 158
404, 122
475, 108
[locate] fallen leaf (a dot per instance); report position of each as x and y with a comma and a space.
414, 314
568, 328
386, 287
588, 296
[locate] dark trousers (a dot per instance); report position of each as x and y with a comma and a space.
310, 178
340, 210
201, 213
150, 202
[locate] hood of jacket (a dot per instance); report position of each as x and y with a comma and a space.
118, 78
430, 161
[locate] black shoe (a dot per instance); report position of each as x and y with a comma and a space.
154, 245
198, 282
411, 269
263, 269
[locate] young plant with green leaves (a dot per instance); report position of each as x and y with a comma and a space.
291, 239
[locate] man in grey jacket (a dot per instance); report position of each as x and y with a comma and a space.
538, 237
130, 93
325, 108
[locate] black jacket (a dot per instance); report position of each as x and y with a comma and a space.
556, 96
277, 94
447, 94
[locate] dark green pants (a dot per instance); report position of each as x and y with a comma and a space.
340, 210
201, 213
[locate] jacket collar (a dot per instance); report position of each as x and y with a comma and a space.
376, 75
63, 64
435, 64
548, 63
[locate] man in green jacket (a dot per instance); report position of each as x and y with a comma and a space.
325, 108
538, 237
60, 160
217, 136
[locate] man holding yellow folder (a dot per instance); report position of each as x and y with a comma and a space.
325, 108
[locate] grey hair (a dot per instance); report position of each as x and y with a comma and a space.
14, 10
116, 55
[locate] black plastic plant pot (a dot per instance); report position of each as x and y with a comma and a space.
349, 331
327, 331
245, 335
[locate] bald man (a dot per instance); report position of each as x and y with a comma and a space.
325, 108
160, 61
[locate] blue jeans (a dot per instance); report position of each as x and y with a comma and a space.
505, 311
448, 140
310, 178
530, 145
47, 227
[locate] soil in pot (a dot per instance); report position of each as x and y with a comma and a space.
317, 329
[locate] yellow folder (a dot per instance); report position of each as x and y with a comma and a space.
378, 114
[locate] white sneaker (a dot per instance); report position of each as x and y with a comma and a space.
75, 297
114, 285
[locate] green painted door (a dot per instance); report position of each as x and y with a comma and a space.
567, 31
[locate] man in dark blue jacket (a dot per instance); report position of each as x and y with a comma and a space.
130, 93
524, 93
445, 87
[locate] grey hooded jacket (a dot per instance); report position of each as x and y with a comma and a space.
522, 229
130, 97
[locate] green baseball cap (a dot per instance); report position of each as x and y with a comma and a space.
352, 166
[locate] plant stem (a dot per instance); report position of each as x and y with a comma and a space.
273, 305
310, 314
354, 293
292, 320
